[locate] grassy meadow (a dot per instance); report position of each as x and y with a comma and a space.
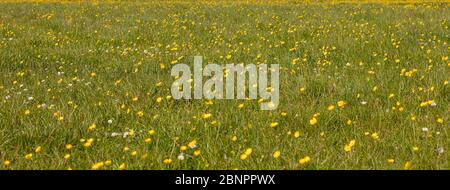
86, 85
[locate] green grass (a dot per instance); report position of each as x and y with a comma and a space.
49, 51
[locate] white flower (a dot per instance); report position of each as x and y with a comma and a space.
181, 156
433, 104
114, 134
425, 129
109, 121
364, 102
440, 150
30, 98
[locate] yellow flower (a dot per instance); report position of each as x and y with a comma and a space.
148, 140
192, 144
134, 153
241, 106
97, 166
197, 153
331, 107
159, 99
38, 149
341, 103
274, 124
374, 136
440, 120
313, 121
415, 149
390, 161
408, 165
27, 112
140, 113
93, 74
276, 154
348, 147
108, 162
248, 151
206, 115
92, 126
304, 160
296, 134
29, 156
68, 146
234, 138
151, 132
6, 163
66, 157
122, 166
167, 161
349, 122
243, 156
183, 148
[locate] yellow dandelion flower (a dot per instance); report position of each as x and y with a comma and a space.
183, 148
197, 152
440, 120
330, 107
29, 156
313, 121
140, 113
68, 146
148, 140
276, 154
108, 162
122, 166
304, 160
341, 103
167, 161
274, 124
296, 134
38, 149
92, 126
408, 165
374, 136
391, 161
66, 156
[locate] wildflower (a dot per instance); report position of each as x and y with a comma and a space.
108, 162
97, 166
183, 148
140, 113
304, 160
390, 161
331, 107
415, 149
296, 134
27, 112
274, 124
374, 136
341, 104
241, 106
408, 165
197, 152
29, 156
206, 115
192, 144
92, 126
6, 163
349, 122
440, 120
276, 154
68, 146
167, 161
148, 140
348, 147
151, 132
181, 156
38, 149
313, 121
159, 99
66, 156
234, 138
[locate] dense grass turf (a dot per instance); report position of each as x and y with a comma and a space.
87, 86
